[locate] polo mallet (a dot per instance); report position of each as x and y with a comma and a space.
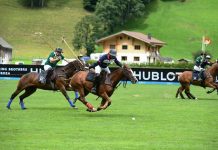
64, 41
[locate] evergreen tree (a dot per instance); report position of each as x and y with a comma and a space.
34, 3
117, 12
86, 32
89, 4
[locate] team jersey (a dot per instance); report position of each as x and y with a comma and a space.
106, 60
199, 60
53, 55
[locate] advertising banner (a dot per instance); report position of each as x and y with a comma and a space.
142, 74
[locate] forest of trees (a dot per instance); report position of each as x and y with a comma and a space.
34, 3
106, 16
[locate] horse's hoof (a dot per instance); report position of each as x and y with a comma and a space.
98, 109
74, 107
24, 108
8, 107
91, 110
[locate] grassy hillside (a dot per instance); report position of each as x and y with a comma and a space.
180, 25
19, 24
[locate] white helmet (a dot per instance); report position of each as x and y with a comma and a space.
208, 57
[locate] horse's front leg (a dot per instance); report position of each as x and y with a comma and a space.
64, 92
106, 101
82, 98
211, 91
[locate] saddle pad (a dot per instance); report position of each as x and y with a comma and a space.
42, 76
195, 75
91, 76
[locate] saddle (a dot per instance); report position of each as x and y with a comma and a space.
196, 75
91, 76
48, 77
101, 78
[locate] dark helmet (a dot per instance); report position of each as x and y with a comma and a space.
203, 53
113, 52
59, 50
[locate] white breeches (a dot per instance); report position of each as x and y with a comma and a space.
196, 68
47, 67
98, 69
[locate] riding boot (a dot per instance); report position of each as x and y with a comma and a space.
48, 76
95, 85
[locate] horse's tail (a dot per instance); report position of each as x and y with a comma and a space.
178, 76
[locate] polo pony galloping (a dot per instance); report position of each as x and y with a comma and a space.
186, 80
105, 90
30, 83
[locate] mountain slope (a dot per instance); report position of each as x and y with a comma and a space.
19, 25
181, 26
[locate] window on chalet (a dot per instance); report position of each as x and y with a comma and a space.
123, 58
124, 47
112, 46
137, 47
136, 59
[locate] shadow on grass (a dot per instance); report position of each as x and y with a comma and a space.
202, 99
80, 112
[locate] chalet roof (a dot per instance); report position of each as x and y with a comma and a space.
4, 44
137, 35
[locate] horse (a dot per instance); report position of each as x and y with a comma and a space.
105, 90
185, 80
30, 83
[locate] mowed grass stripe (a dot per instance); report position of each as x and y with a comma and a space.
161, 121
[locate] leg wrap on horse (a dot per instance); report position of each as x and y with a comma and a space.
71, 103
22, 105
9, 103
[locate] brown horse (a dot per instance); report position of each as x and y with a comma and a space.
30, 82
185, 80
105, 90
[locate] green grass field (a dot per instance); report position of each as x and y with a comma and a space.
161, 121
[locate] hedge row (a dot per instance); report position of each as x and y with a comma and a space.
156, 65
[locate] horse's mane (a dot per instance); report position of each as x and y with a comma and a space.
73, 67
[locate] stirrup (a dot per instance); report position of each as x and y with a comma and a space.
42, 80
200, 80
93, 90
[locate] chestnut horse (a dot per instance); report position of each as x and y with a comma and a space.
30, 82
79, 83
185, 80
